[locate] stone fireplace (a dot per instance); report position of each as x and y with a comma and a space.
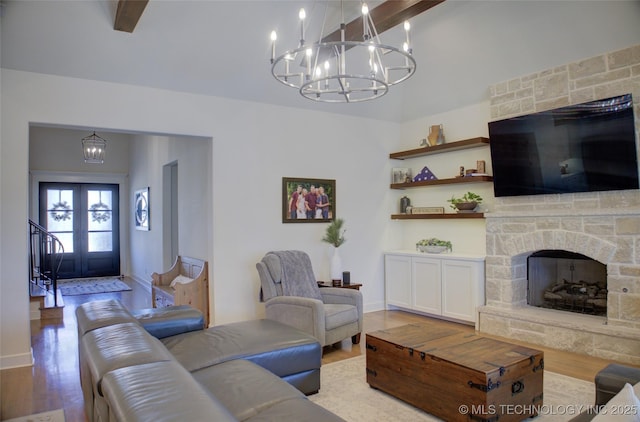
602, 226
610, 238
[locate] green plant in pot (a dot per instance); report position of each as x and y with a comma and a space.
434, 245
334, 235
467, 202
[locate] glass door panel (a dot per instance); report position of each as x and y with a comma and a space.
99, 221
60, 215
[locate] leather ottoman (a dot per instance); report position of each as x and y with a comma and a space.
289, 353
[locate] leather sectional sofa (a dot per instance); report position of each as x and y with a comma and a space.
161, 365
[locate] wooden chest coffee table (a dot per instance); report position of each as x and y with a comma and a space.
454, 375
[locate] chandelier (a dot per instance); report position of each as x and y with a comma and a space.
93, 147
343, 71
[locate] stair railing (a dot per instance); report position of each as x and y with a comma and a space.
46, 253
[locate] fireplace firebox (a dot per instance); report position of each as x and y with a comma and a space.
568, 281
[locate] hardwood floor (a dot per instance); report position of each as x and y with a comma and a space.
53, 381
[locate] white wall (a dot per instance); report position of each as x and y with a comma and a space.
254, 146
149, 153
55, 149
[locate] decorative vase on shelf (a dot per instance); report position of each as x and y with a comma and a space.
404, 203
466, 206
336, 265
434, 130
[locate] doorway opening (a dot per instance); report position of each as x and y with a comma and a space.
170, 238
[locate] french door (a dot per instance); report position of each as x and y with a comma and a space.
84, 216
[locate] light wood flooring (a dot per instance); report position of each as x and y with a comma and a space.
53, 382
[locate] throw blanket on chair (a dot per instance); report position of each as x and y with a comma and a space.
297, 275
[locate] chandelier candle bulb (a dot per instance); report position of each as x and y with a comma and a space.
407, 27
365, 26
302, 15
326, 72
318, 75
274, 37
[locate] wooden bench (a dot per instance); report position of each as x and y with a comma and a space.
191, 286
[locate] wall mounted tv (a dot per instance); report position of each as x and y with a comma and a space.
580, 148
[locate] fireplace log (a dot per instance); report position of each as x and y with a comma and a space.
600, 303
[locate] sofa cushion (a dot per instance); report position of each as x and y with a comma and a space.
100, 313
296, 410
245, 388
180, 279
117, 346
170, 321
160, 391
338, 315
622, 407
277, 347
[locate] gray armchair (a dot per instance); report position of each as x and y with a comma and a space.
292, 296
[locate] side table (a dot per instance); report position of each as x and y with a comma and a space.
355, 286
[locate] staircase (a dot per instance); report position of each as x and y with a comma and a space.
46, 253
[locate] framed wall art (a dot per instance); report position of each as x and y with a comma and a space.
307, 200
141, 209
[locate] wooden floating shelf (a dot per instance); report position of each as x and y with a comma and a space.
437, 149
468, 179
437, 216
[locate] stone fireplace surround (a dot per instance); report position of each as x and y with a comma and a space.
604, 226
608, 236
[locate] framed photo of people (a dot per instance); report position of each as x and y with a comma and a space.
308, 200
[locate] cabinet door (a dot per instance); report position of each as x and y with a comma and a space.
426, 285
397, 280
460, 289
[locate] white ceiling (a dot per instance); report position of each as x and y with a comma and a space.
222, 48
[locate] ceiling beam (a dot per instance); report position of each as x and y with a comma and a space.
128, 14
387, 15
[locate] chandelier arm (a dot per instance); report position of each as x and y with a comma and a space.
343, 89
375, 31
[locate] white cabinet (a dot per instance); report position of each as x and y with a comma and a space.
448, 285
397, 273
426, 285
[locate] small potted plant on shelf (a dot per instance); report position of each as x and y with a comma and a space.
467, 203
434, 245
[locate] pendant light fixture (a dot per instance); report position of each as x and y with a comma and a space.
93, 148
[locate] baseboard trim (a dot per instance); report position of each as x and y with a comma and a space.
34, 311
17, 361
372, 307
145, 284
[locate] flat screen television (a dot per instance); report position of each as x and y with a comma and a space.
580, 148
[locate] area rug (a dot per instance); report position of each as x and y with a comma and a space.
345, 392
51, 416
87, 286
